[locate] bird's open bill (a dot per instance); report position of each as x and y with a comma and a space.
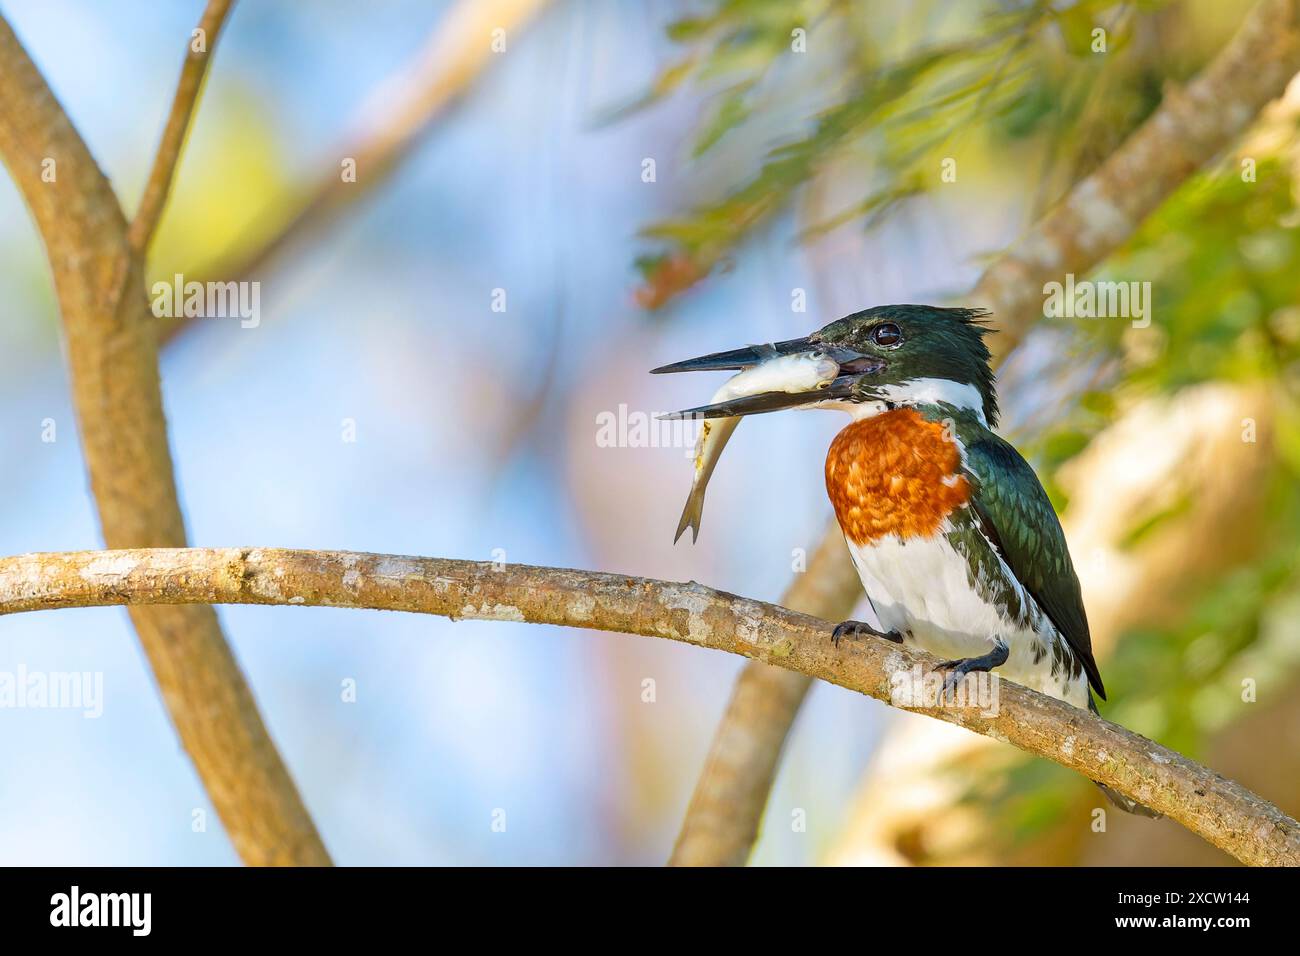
852, 366
793, 374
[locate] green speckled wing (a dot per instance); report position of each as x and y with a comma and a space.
1017, 515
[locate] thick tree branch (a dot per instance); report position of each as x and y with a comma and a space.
113, 354
1188, 129
1219, 810
159, 184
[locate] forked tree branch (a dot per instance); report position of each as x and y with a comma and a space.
1188, 129
393, 122
112, 350
1224, 813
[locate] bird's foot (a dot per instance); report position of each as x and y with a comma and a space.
958, 669
856, 629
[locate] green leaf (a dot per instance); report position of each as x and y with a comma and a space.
732, 110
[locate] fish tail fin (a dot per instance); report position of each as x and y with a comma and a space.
691, 515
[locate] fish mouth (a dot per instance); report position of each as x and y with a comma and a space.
853, 366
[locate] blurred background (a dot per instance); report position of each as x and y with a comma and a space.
621, 185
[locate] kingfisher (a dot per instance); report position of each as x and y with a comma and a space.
957, 545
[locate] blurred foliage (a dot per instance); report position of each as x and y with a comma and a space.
233, 188
1175, 684
1222, 256
890, 92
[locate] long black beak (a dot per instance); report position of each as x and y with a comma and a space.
751, 355
737, 359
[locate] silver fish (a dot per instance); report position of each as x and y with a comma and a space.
781, 373
714, 435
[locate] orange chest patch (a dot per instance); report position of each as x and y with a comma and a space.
895, 473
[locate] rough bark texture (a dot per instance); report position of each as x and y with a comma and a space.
113, 358
1099, 215
1222, 812
1238, 750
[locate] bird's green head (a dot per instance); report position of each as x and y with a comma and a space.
928, 353
891, 355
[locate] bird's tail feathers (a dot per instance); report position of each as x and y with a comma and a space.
1127, 804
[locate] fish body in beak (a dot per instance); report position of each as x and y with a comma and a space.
771, 377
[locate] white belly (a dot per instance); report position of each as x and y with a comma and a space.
921, 588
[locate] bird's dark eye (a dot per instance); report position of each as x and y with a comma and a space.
887, 335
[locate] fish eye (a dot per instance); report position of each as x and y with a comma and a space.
887, 335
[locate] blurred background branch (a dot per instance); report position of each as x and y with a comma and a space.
202, 42
395, 118
722, 821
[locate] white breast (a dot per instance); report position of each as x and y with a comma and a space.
921, 588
